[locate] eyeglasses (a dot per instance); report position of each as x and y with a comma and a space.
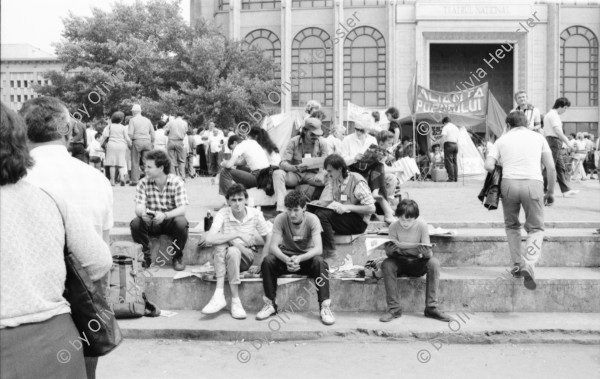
360, 130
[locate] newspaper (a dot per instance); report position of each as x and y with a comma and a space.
373, 244
312, 163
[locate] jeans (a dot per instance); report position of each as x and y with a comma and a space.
283, 179
176, 227
394, 267
450, 153
230, 175
556, 146
272, 267
528, 194
213, 167
345, 224
139, 148
231, 260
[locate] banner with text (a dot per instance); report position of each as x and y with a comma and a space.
471, 102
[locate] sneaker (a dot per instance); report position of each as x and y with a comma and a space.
389, 316
570, 193
215, 304
237, 310
529, 278
516, 271
437, 314
326, 313
267, 311
178, 265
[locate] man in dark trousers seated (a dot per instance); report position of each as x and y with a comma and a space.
411, 262
350, 203
160, 204
296, 248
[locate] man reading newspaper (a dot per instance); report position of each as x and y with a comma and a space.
412, 261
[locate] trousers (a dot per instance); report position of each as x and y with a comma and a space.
394, 267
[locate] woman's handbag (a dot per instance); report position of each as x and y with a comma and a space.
105, 143
91, 314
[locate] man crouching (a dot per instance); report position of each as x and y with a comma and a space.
296, 248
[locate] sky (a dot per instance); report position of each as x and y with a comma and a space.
39, 22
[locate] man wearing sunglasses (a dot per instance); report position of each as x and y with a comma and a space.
308, 144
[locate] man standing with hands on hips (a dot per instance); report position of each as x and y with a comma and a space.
521, 152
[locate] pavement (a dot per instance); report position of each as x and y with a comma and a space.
438, 202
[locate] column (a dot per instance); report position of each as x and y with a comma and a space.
235, 7
338, 67
390, 45
552, 56
286, 56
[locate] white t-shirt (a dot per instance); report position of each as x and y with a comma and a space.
215, 141
352, 145
551, 120
519, 151
533, 116
160, 139
82, 185
227, 150
274, 158
253, 154
334, 144
579, 146
450, 133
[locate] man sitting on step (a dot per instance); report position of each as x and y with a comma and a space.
350, 203
160, 204
411, 262
233, 231
296, 248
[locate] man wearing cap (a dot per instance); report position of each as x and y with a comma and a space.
308, 144
141, 133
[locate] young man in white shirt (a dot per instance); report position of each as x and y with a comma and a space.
215, 143
450, 143
521, 152
254, 156
553, 131
531, 113
233, 233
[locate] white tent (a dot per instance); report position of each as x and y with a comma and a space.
469, 160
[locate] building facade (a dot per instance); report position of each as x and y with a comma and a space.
22, 66
366, 51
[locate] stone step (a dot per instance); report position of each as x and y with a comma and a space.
475, 289
470, 247
255, 337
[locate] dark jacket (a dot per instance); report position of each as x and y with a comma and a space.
490, 193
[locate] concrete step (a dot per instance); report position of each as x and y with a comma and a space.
475, 289
470, 247
252, 336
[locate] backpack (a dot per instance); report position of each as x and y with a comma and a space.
125, 294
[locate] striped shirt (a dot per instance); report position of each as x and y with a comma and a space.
226, 223
172, 196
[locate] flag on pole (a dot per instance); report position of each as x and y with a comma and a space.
412, 94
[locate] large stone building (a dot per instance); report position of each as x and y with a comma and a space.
22, 66
365, 51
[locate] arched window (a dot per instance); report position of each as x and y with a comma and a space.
268, 42
579, 66
312, 67
364, 67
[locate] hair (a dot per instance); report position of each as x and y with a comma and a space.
318, 114
405, 139
14, 154
561, 102
295, 199
375, 116
587, 135
236, 189
407, 208
46, 119
518, 93
160, 124
336, 162
160, 159
312, 105
434, 146
383, 136
264, 140
516, 118
117, 117
446, 120
579, 134
233, 139
98, 134
180, 113
572, 135
393, 111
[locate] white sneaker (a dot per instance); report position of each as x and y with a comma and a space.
570, 193
237, 310
267, 311
326, 313
215, 304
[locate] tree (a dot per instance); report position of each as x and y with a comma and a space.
145, 53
